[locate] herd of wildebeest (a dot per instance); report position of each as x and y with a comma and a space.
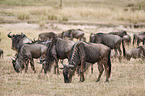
51, 47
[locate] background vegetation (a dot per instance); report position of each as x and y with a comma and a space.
112, 11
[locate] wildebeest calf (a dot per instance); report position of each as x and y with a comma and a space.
138, 52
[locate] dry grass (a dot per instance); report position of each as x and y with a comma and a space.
77, 10
127, 78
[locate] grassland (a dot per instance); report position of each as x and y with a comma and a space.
108, 11
127, 77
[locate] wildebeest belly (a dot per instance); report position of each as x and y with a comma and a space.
112, 41
95, 52
34, 51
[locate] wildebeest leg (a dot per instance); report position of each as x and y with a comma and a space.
101, 69
82, 79
120, 52
138, 41
106, 69
27, 63
56, 66
32, 65
78, 70
42, 67
92, 69
116, 54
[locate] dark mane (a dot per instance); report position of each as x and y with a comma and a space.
100, 34
78, 50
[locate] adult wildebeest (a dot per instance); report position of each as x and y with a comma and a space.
127, 39
138, 52
47, 36
112, 41
140, 37
26, 53
119, 33
58, 49
84, 52
18, 40
78, 34
1, 53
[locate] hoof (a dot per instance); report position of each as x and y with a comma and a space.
81, 81
107, 80
97, 80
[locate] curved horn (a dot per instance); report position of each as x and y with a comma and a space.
14, 57
10, 36
13, 60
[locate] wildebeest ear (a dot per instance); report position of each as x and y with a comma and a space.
13, 61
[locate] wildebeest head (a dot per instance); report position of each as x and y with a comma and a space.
68, 72
96, 38
92, 37
124, 33
16, 39
141, 52
66, 33
18, 64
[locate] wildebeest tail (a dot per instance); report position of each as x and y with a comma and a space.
133, 39
109, 62
124, 51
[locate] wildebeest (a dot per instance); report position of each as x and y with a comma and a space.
26, 53
72, 33
140, 37
119, 33
112, 41
138, 52
127, 39
18, 40
1, 53
47, 36
58, 49
84, 52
